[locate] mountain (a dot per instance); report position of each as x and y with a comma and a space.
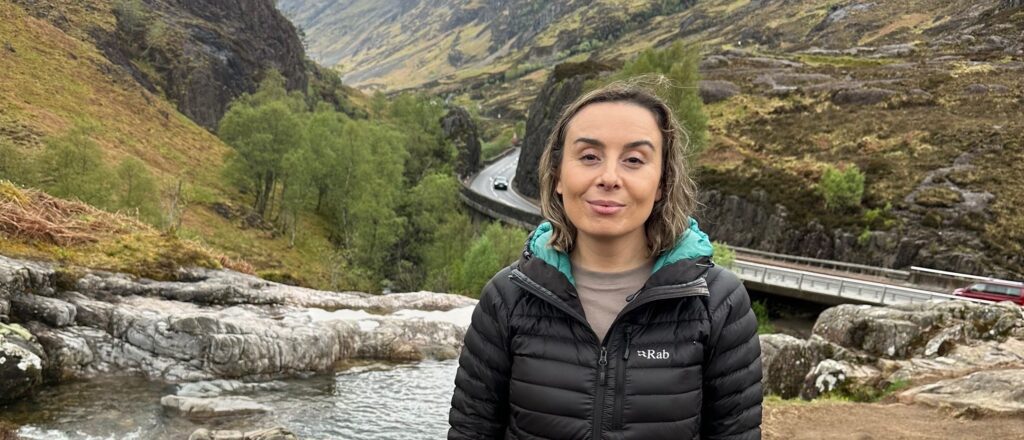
148, 80
922, 96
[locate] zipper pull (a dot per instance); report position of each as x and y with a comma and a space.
629, 332
603, 366
633, 296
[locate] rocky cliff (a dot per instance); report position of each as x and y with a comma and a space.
210, 52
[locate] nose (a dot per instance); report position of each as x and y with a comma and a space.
609, 179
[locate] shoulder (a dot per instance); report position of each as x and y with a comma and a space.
725, 288
500, 291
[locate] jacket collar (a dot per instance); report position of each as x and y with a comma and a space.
551, 269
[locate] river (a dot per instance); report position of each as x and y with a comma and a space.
387, 402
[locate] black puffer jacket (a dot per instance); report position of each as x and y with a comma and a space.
681, 361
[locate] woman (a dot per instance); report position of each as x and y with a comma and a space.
614, 323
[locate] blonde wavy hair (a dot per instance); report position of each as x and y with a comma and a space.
671, 214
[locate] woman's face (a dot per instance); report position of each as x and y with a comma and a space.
611, 169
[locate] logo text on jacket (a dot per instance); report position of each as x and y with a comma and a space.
653, 354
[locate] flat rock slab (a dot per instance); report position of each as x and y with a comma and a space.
993, 392
206, 407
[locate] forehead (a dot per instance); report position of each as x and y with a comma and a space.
614, 122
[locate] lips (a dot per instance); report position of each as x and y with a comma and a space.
605, 207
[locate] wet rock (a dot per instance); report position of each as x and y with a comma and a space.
208, 407
220, 387
21, 362
277, 433
864, 96
715, 91
986, 89
786, 361
52, 311
984, 393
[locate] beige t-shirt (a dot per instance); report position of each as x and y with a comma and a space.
603, 294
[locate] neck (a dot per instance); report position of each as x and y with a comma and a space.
610, 255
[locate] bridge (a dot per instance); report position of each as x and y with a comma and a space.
820, 281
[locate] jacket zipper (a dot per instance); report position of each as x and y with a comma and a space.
620, 378
692, 288
602, 382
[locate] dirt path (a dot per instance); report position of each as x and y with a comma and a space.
868, 421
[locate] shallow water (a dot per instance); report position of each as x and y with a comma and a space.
407, 401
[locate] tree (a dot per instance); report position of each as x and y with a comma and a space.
71, 166
137, 189
419, 118
842, 189
262, 128
496, 247
679, 64
439, 232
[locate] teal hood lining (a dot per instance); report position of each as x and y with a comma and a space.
694, 243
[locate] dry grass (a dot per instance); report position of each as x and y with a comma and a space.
34, 224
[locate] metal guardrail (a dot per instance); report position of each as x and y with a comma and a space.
839, 287
830, 264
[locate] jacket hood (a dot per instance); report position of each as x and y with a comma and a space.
693, 243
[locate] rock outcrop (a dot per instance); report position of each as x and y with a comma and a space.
217, 324
459, 127
205, 53
995, 393
865, 351
21, 363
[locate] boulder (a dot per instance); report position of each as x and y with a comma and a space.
862, 96
922, 329
208, 407
21, 362
712, 91
984, 393
786, 361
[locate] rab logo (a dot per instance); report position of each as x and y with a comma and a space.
653, 354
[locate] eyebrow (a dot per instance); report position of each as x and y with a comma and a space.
634, 144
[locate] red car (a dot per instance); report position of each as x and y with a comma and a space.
994, 290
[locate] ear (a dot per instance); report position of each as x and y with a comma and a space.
558, 187
657, 196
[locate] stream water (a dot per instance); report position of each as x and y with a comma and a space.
407, 401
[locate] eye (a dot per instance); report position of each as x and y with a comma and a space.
589, 157
634, 161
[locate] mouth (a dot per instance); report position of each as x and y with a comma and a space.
605, 207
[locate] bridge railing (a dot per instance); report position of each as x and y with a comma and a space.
895, 274
838, 287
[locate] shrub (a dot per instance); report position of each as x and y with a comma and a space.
842, 189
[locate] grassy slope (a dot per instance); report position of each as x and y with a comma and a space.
53, 82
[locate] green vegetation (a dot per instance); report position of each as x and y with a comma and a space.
842, 189
764, 324
722, 254
497, 246
383, 187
